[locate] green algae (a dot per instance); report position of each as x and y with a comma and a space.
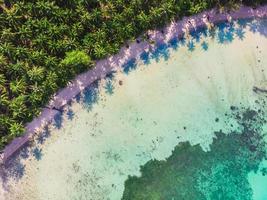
220, 173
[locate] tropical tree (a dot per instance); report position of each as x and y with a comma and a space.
18, 87
16, 129
44, 44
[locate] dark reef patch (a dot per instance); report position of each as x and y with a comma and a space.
220, 173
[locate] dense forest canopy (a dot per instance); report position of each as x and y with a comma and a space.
45, 43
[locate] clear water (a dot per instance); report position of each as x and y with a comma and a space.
185, 91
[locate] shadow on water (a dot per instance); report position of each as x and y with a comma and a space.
109, 83
14, 167
90, 96
144, 57
109, 87
37, 153
205, 46
43, 136
70, 114
129, 66
110, 76
161, 51
196, 34
17, 170
224, 33
240, 33
58, 119
173, 43
191, 45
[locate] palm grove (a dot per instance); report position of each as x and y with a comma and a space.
45, 43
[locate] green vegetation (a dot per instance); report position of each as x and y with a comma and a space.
75, 61
45, 43
221, 173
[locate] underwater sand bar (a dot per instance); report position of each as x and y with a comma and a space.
114, 63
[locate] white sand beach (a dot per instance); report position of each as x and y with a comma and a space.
157, 106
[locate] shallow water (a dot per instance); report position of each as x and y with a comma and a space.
183, 93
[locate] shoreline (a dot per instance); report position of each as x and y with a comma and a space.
114, 63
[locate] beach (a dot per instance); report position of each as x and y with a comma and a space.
143, 111
113, 63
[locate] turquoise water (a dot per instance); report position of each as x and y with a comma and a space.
185, 121
258, 183
221, 173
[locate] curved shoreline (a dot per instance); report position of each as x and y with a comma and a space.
114, 63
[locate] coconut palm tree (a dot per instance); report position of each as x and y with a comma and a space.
143, 20
16, 129
36, 74
18, 87
99, 51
